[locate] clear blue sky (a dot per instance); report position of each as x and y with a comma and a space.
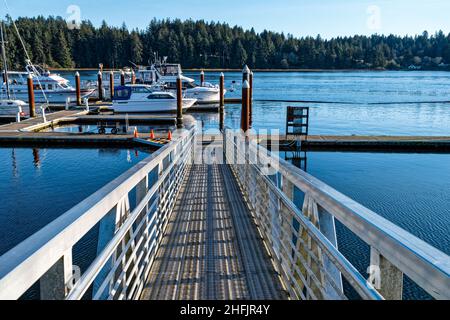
298, 17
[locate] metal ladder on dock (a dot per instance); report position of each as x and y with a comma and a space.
219, 221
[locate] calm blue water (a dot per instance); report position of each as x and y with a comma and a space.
38, 185
410, 190
360, 103
389, 102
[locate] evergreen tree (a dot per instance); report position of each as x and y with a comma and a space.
61, 53
209, 44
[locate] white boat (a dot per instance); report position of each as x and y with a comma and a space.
141, 98
9, 107
166, 74
48, 87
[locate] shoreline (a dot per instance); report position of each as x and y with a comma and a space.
260, 70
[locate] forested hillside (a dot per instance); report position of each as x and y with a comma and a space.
216, 45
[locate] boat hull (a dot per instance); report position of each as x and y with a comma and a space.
163, 106
204, 95
52, 96
12, 108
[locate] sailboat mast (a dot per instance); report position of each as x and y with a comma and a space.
5, 64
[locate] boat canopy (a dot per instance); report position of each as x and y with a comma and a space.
122, 93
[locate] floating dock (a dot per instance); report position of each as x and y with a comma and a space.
354, 143
30, 132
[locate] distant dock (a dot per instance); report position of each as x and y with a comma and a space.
30, 131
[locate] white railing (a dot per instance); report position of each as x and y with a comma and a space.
127, 240
302, 242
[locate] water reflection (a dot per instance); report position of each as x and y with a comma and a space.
36, 158
298, 158
59, 179
15, 171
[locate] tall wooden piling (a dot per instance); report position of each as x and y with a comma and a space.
111, 84
202, 78
122, 78
100, 85
179, 102
222, 101
245, 116
78, 88
31, 100
251, 97
245, 74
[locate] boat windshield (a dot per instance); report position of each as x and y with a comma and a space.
140, 90
168, 69
122, 93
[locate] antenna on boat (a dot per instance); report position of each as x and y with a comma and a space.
5, 63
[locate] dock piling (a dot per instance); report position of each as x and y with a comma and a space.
122, 78
31, 100
111, 84
78, 88
245, 74
245, 121
222, 101
250, 107
179, 102
100, 85
202, 78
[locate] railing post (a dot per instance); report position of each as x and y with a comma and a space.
54, 283
287, 187
386, 278
141, 190
309, 247
108, 226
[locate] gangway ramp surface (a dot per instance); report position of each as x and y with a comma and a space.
212, 249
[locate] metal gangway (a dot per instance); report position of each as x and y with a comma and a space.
218, 220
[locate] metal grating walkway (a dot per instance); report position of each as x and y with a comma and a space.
211, 249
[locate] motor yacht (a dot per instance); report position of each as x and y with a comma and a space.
166, 74
48, 87
141, 98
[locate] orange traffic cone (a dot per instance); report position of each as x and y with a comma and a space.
152, 135
136, 133
170, 136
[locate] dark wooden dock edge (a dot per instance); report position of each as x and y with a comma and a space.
364, 144
378, 146
85, 141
